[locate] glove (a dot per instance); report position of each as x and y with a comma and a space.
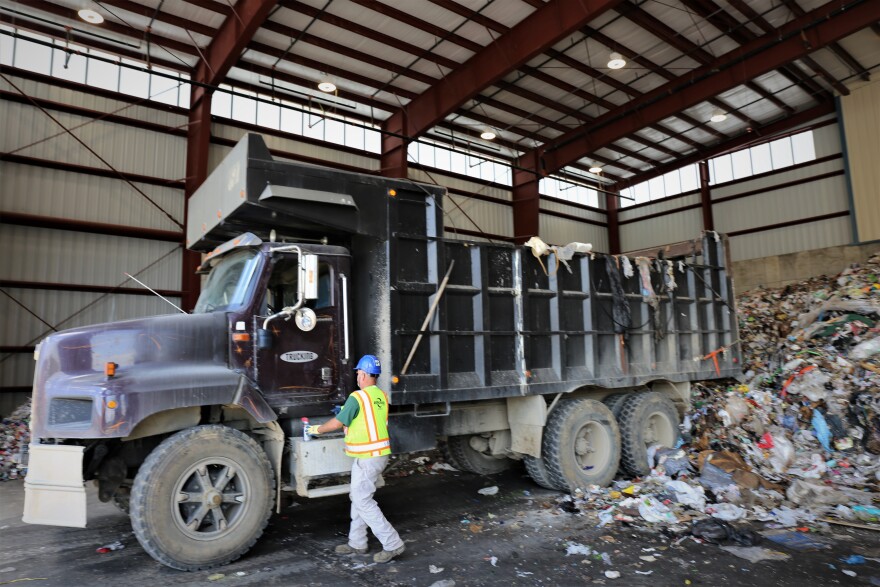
313, 430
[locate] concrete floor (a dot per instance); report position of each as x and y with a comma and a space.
444, 522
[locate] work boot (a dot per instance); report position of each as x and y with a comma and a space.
387, 555
347, 549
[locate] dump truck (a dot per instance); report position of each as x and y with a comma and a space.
572, 364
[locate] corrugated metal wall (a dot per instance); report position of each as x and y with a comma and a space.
636, 234
808, 209
48, 174
861, 118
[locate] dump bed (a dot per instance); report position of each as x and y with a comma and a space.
504, 326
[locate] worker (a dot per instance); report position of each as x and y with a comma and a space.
365, 419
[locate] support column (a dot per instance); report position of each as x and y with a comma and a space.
198, 140
526, 198
393, 161
706, 197
611, 207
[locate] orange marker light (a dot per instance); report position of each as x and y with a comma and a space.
112, 404
241, 337
110, 369
395, 379
392, 193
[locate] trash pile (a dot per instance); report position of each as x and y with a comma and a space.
14, 438
793, 445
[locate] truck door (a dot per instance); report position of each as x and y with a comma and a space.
301, 367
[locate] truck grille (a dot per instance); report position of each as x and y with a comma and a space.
70, 411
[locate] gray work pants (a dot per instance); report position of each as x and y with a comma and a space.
365, 512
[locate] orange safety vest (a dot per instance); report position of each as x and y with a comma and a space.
367, 436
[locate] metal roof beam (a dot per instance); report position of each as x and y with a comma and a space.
229, 40
653, 67
851, 62
531, 37
816, 29
730, 26
735, 143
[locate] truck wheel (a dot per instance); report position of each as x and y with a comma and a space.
537, 470
470, 453
646, 418
615, 402
581, 444
202, 498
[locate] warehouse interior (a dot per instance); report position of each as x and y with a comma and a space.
621, 123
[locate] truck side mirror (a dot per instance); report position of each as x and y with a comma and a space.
264, 339
309, 277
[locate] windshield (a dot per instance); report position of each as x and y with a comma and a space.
228, 282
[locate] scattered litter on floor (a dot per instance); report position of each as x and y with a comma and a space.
755, 554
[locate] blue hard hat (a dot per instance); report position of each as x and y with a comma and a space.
369, 364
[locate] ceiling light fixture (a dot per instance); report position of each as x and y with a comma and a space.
595, 169
488, 135
718, 116
326, 85
91, 16
616, 61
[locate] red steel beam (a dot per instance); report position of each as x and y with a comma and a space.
216, 60
818, 28
543, 28
769, 129
229, 40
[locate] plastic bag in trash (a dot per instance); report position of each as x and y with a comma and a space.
823, 433
865, 349
717, 531
782, 452
687, 495
654, 511
737, 408
726, 511
714, 478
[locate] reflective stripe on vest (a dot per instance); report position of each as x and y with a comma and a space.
367, 435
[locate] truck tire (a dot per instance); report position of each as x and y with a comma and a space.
537, 470
647, 418
460, 452
581, 444
615, 402
202, 498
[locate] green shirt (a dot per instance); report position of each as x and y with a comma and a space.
349, 411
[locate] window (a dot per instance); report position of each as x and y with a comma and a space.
33, 56
221, 103
102, 74
802, 145
244, 108
780, 152
7, 47
134, 81
722, 170
291, 121
69, 66
268, 115
334, 131
742, 163
761, 162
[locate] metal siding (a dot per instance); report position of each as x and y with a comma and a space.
814, 198
781, 176
561, 231
572, 210
661, 230
126, 148
861, 117
791, 239
63, 310
658, 207
160, 114
61, 256
77, 196
292, 145
470, 214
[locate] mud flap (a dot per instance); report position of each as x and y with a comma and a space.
54, 490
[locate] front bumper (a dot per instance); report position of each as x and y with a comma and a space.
54, 489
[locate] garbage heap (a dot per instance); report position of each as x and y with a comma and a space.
793, 444
14, 438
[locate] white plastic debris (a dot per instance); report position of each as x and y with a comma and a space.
488, 490
612, 574
433, 569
